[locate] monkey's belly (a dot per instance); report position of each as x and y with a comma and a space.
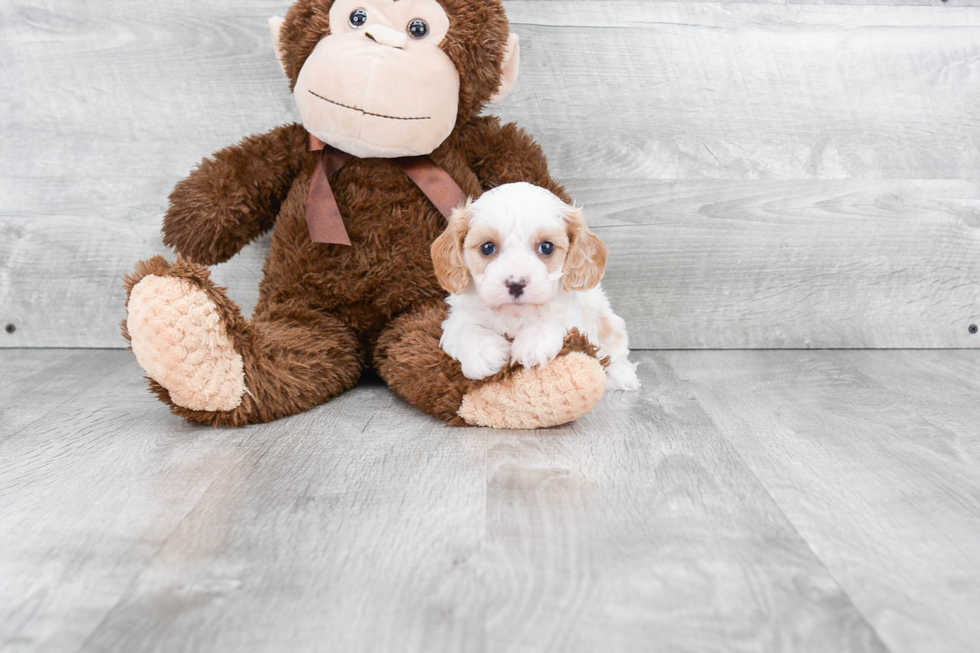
385, 272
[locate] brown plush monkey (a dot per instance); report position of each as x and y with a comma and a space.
376, 81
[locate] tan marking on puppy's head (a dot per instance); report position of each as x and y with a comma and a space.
475, 239
558, 238
585, 264
447, 252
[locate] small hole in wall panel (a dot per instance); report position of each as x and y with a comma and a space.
11, 329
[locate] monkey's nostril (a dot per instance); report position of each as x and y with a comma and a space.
386, 36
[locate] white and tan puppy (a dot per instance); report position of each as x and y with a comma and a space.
523, 269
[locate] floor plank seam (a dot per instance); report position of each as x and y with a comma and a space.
149, 563
793, 526
65, 400
170, 536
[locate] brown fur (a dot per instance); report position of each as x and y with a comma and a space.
234, 196
409, 351
294, 358
326, 311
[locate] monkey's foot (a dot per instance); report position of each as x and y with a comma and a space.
181, 341
568, 388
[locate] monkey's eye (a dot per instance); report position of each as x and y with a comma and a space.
488, 249
418, 29
358, 18
546, 248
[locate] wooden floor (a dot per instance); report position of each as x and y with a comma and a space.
743, 501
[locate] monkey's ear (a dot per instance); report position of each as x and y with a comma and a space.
275, 26
511, 69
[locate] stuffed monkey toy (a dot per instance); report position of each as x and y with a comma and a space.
390, 93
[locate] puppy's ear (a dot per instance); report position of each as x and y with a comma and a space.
585, 264
447, 252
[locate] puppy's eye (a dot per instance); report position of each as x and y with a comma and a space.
418, 29
546, 248
358, 18
488, 249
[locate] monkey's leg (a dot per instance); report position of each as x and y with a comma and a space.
212, 366
409, 359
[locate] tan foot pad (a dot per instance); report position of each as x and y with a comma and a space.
180, 342
562, 392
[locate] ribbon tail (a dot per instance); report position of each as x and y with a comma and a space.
322, 213
441, 189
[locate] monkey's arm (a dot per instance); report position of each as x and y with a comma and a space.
505, 154
234, 196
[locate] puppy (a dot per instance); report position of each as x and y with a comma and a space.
523, 269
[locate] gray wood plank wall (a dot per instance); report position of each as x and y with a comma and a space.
766, 174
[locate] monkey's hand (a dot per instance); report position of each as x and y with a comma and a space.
234, 196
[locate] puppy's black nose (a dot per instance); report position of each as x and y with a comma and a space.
516, 288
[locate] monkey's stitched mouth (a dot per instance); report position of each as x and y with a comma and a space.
366, 113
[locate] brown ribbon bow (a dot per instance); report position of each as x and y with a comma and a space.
322, 214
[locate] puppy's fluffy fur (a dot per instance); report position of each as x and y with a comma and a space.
523, 269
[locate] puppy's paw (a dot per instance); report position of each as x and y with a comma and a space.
486, 358
622, 376
534, 348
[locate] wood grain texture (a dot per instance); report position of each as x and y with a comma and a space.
365, 526
858, 264
883, 3
355, 528
875, 458
50, 378
705, 264
821, 112
106, 107
638, 529
751, 91
92, 485
108, 499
